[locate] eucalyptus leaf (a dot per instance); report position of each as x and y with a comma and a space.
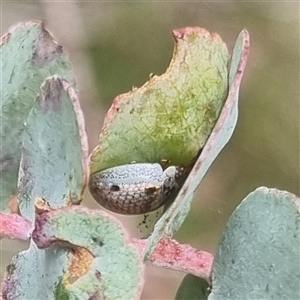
173, 218
34, 273
171, 116
29, 55
113, 266
258, 256
87, 255
53, 165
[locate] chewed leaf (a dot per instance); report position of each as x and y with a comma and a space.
258, 256
54, 150
28, 56
172, 115
104, 261
175, 215
88, 256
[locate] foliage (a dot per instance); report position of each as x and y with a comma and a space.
185, 117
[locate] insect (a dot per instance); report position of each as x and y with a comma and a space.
135, 188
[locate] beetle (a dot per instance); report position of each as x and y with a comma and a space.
135, 188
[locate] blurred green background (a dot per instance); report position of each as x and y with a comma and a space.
116, 45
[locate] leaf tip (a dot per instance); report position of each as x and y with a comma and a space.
45, 48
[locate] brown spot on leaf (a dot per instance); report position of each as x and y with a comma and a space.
80, 263
50, 97
5, 163
13, 205
41, 205
98, 274
45, 48
97, 296
97, 241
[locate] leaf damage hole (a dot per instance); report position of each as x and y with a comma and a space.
97, 241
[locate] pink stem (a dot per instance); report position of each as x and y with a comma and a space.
13, 226
180, 257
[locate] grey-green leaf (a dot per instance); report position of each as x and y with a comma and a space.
29, 55
258, 256
112, 265
34, 273
171, 221
54, 156
100, 262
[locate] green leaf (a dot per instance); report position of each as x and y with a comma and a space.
258, 256
54, 156
116, 270
173, 218
35, 273
192, 288
52, 174
28, 56
171, 116
98, 260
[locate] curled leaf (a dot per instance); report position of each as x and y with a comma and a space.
172, 115
112, 265
87, 255
176, 214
